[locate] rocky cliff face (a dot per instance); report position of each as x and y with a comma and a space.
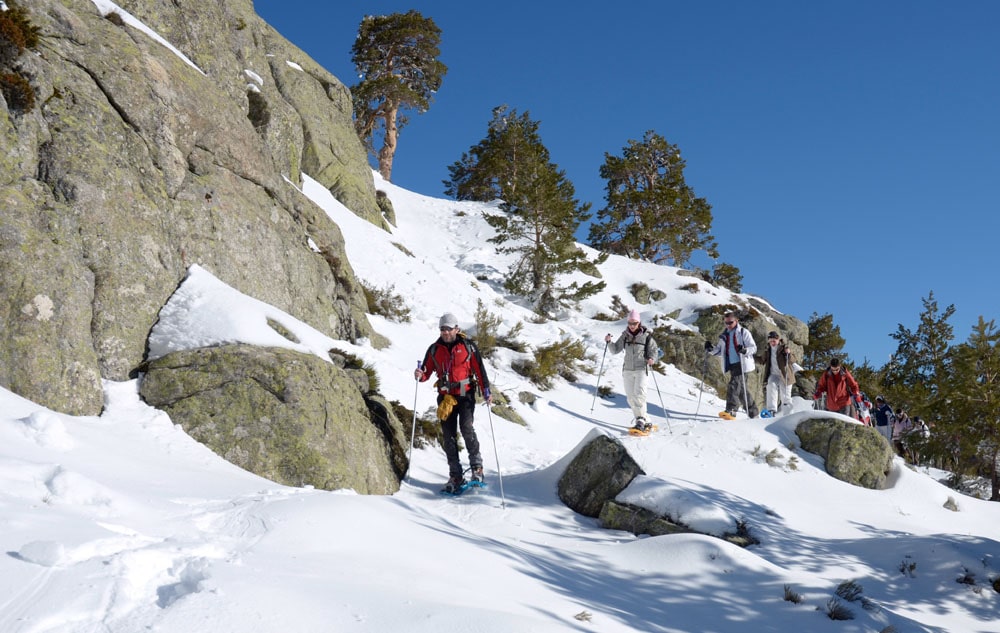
167, 134
144, 156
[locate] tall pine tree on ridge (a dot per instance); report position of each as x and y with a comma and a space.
397, 58
540, 212
651, 211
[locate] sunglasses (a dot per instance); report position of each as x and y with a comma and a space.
633, 323
447, 329
730, 322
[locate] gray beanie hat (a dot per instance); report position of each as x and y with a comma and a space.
448, 320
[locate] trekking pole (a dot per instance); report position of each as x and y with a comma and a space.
489, 414
599, 373
413, 430
701, 389
665, 417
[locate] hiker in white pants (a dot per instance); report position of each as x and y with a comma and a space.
641, 351
780, 372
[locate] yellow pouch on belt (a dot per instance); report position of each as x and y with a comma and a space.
447, 404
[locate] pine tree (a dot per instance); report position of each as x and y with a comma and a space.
825, 343
966, 428
869, 379
397, 58
540, 213
727, 276
651, 211
921, 361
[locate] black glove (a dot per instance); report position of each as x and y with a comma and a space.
708, 346
740, 349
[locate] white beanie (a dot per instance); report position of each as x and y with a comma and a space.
448, 320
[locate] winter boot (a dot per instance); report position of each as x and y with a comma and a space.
456, 484
727, 415
767, 413
641, 425
477, 476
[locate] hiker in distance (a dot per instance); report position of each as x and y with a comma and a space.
884, 418
460, 371
901, 427
736, 349
641, 351
780, 372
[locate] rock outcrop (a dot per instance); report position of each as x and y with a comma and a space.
601, 470
598, 474
285, 415
852, 452
172, 135
168, 135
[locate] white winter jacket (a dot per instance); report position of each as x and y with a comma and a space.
742, 337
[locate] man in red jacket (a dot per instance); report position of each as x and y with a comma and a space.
460, 371
840, 388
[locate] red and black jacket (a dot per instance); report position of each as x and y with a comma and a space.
458, 366
839, 386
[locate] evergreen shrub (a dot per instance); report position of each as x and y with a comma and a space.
17, 92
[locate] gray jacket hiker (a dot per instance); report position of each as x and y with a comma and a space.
640, 352
639, 349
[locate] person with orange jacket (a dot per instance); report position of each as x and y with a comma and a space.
460, 371
840, 388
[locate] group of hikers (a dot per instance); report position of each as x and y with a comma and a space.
836, 391
737, 350
843, 395
460, 371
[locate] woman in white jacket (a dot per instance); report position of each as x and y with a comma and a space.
735, 348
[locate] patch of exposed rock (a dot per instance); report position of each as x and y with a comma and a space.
851, 452
284, 415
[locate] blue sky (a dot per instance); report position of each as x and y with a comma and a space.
850, 150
